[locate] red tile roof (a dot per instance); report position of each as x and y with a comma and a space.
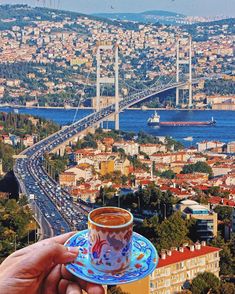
221, 201
178, 256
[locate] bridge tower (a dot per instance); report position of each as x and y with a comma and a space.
184, 57
102, 47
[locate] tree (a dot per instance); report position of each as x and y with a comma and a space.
227, 288
172, 232
204, 282
224, 213
173, 144
227, 258
168, 174
199, 167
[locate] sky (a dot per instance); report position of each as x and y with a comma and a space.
188, 7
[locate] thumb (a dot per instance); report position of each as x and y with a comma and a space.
49, 255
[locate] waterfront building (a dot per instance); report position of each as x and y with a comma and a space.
231, 147
207, 145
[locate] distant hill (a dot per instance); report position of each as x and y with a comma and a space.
22, 15
153, 16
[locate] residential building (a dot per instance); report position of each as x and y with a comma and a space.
150, 149
177, 267
231, 147
122, 165
130, 147
207, 145
106, 167
67, 179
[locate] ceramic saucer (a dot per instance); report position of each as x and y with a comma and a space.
143, 263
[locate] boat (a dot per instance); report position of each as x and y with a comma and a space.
15, 110
188, 139
154, 120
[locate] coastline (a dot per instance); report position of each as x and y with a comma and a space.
91, 108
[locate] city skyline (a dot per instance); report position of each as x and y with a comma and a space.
187, 7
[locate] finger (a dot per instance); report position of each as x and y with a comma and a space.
60, 239
63, 284
90, 288
52, 280
47, 256
73, 288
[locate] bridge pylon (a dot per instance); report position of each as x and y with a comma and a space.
184, 57
104, 46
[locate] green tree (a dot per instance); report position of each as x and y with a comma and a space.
227, 258
224, 213
200, 167
168, 174
227, 288
172, 232
204, 282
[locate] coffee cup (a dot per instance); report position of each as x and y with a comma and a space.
110, 232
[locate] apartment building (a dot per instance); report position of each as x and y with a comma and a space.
177, 267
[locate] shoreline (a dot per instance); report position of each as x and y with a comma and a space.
90, 108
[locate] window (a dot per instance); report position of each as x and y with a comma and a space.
167, 283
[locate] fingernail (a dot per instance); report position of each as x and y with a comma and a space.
73, 250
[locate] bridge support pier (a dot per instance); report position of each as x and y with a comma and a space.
102, 46
182, 61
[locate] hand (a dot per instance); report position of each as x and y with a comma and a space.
39, 269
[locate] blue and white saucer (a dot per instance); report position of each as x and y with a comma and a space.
143, 262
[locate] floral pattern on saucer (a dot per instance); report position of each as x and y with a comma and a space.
143, 262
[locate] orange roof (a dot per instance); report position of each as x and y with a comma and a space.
178, 256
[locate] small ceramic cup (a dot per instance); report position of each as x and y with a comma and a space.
110, 239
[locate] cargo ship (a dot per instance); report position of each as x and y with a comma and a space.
154, 121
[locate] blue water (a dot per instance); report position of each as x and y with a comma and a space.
136, 120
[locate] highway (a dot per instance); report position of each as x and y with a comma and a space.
52, 206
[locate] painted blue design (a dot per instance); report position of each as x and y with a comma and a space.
137, 270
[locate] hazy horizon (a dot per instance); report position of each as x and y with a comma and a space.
187, 7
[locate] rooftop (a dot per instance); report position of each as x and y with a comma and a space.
178, 256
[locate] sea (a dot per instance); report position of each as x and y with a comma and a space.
136, 121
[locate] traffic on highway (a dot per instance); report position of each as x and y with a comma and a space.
53, 207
